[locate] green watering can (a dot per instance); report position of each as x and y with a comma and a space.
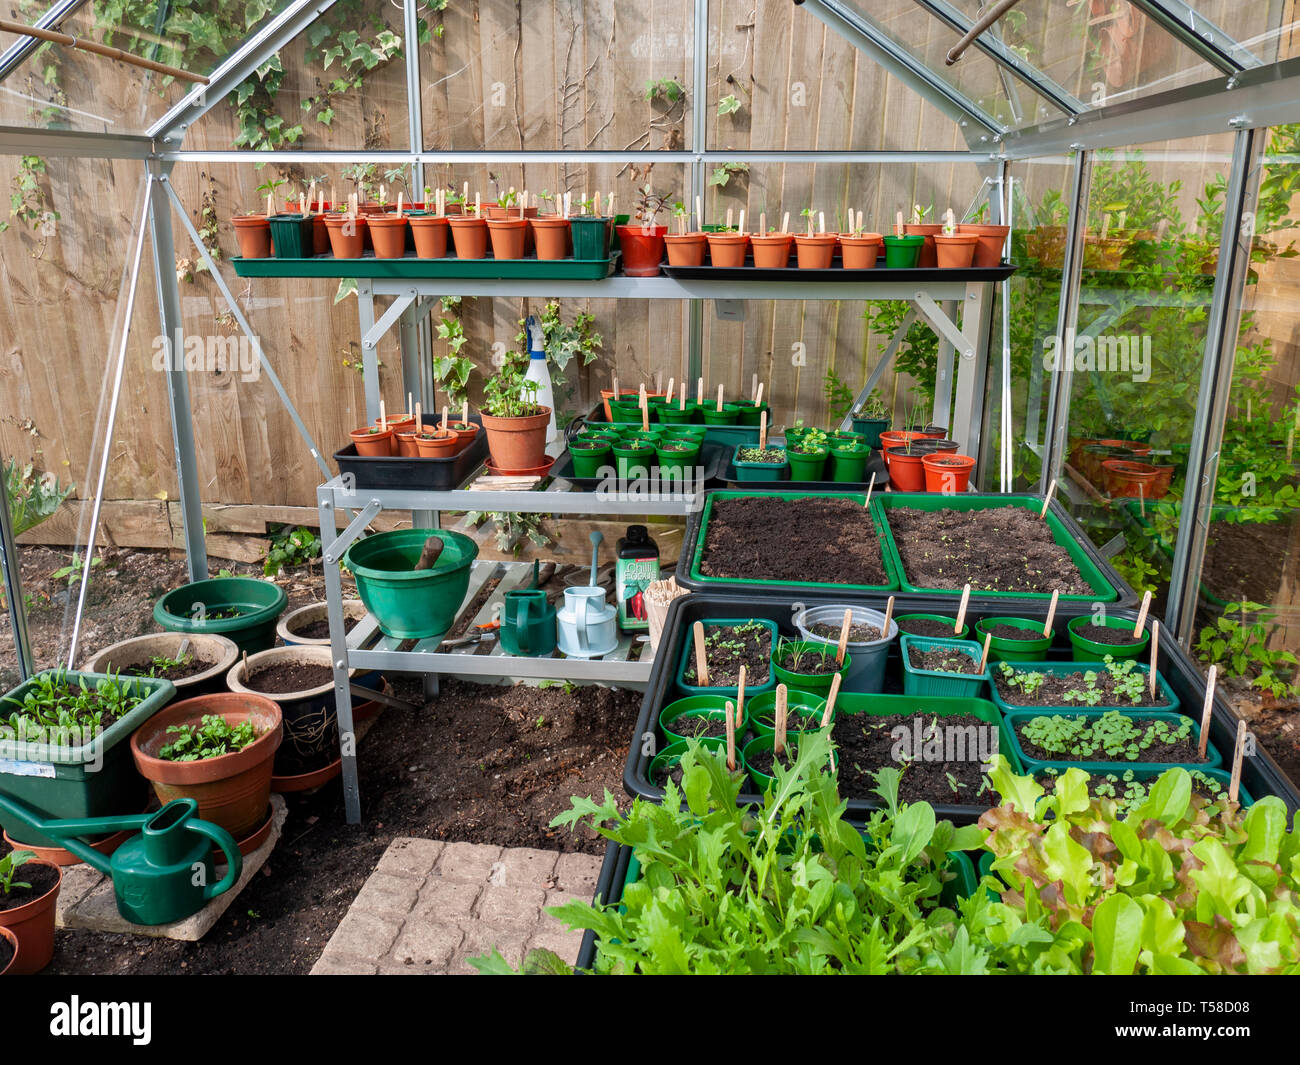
163, 874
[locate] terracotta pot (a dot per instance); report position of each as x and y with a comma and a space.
955, 252
893, 437
508, 237
437, 443
464, 436
63, 858
406, 445
1135, 446
815, 252
12, 940
727, 249
253, 232
289, 624
947, 473
398, 422
928, 256
347, 235
388, 234
137, 651
373, 441
1128, 479
232, 790
469, 235
906, 471
518, 443
305, 781
686, 249
1162, 482
551, 236
643, 250
772, 250
988, 252
430, 233
1047, 245
533, 471
32, 926
860, 252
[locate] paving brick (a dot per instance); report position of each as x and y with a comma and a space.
577, 873
362, 935
427, 943
511, 906
480, 939
523, 867
559, 941
410, 857
559, 898
399, 969
339, 965
467, 861
447, 900
387, 896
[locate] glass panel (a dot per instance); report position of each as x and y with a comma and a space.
1258, 28
69, 88
550, 76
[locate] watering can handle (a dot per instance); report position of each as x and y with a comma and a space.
521, 625
580, 622
234, 860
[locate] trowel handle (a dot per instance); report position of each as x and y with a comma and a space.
234, 860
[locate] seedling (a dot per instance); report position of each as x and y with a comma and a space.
9, 866
213, 737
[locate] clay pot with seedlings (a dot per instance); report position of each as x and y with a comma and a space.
815, 249
514, 421
373, 440
991, 238
469, 235
347, 233
552, 236
954, 250
728, 247
859, 249
509, 237
430, 235
193, 662
388, 235
686, 247
253, 231
642, 240
29, 892
928, 256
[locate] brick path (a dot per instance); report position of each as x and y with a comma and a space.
428, 905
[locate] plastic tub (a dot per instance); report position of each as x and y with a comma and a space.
1086, 650
411, 603
1077, 667
1017, 718
257, 605
817, 683
1034, 650
866, 672
936, 682
687, 658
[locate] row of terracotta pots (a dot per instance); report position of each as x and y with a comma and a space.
1122, 468
925, 461
402, 437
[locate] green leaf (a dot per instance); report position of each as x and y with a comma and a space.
1116, 935
913, 828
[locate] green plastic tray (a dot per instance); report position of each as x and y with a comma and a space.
688, 650
859, 497
1104, 590
1016, 717
1075, 667
928, 682
1151, 772
528, 268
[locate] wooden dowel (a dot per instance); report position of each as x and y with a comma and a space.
1206, 711
889, 614
871, 487
829, 712
762, 431
740, 699
1238, 753
731, 736
85, 45
758, 396
842, 646
1155, 657
778, 741
984, 658
961, 610
1051, 612
719, 398
1142, 613
701, 666
1047, 499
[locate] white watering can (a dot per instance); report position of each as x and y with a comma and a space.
587, 625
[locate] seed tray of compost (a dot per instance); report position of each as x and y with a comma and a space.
711, 461
791, 539
864, 744
724, 660
725, 436
418, 474
1051, 693
875, 464
1183, 752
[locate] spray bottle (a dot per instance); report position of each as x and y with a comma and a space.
539, 372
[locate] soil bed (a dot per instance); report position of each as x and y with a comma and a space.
928, 627
726, 649
1014, 632
865, 744
41, 878
863, 633
1052, 692
809, 540
999, 549
1107, 635
320, 629
289, 677
943, 661
1182, 751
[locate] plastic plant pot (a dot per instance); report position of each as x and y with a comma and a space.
551, 237
763, 781
866, 672
517, 443
930, 446
509, 236
253, 232
749, 470
468, 236
686, 249
752, 413
871, 428
846, 436
902, 253
254, 605
713, 706
1162, 482
411, 603
1017, 719
676, 457
771, 250
347, 235
465, 434
906, 469
591, 237
729, 414
817, 683
430, 235
889, 438
388, 235
1086, 650
815, 252
633, 458
806, 465
675, 414
956, 251
589, 456
436, 443
949, 621
1032, 649
936, 682
727, 249
292, 235
1127, 479
849, 463
927, 259
625, 410
687, 660
947, 473
991, 238
643, 249
674, 752
804, 710
859, 251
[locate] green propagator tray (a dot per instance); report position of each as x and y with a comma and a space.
1105, 590
1019, 717
1060, 668
697, 580
487, 269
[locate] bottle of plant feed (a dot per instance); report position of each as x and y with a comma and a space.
637, 566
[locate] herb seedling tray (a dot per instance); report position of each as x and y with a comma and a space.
529, 268
1016, 718
1108, 586
1062, 668
687, 658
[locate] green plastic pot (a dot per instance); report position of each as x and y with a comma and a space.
587, 460
631, 455
935, 682
676, 464
697, 433
259, 603
1034, 650
729, 414
816, 684
591, 236
765, 706
902, 253
871, 428
807, 467
950, 621
849, 464
759, 471
291, 235
713, 706
673, 414
847, 436
672, 754
1017, 718
1170, 705
751, 414
763, 781
412, 604
624, 411
688, 657
1086, 650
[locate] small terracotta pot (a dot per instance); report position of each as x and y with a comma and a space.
955, 252
437, 443
643, 251
253, 232
947, 473
64, 858
686, 249
928, 256
388, 234
232, 790
469, 235
465, 436
551, 236
518, 443
1128, 479
1162, 482
372, 441
860, 251
12, 940
772, 250
508, 237
727, 249
1135, 446
815, 252
430, 233
406, 445
347, 235
906, 471
32, 928
988, 252
398, 422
